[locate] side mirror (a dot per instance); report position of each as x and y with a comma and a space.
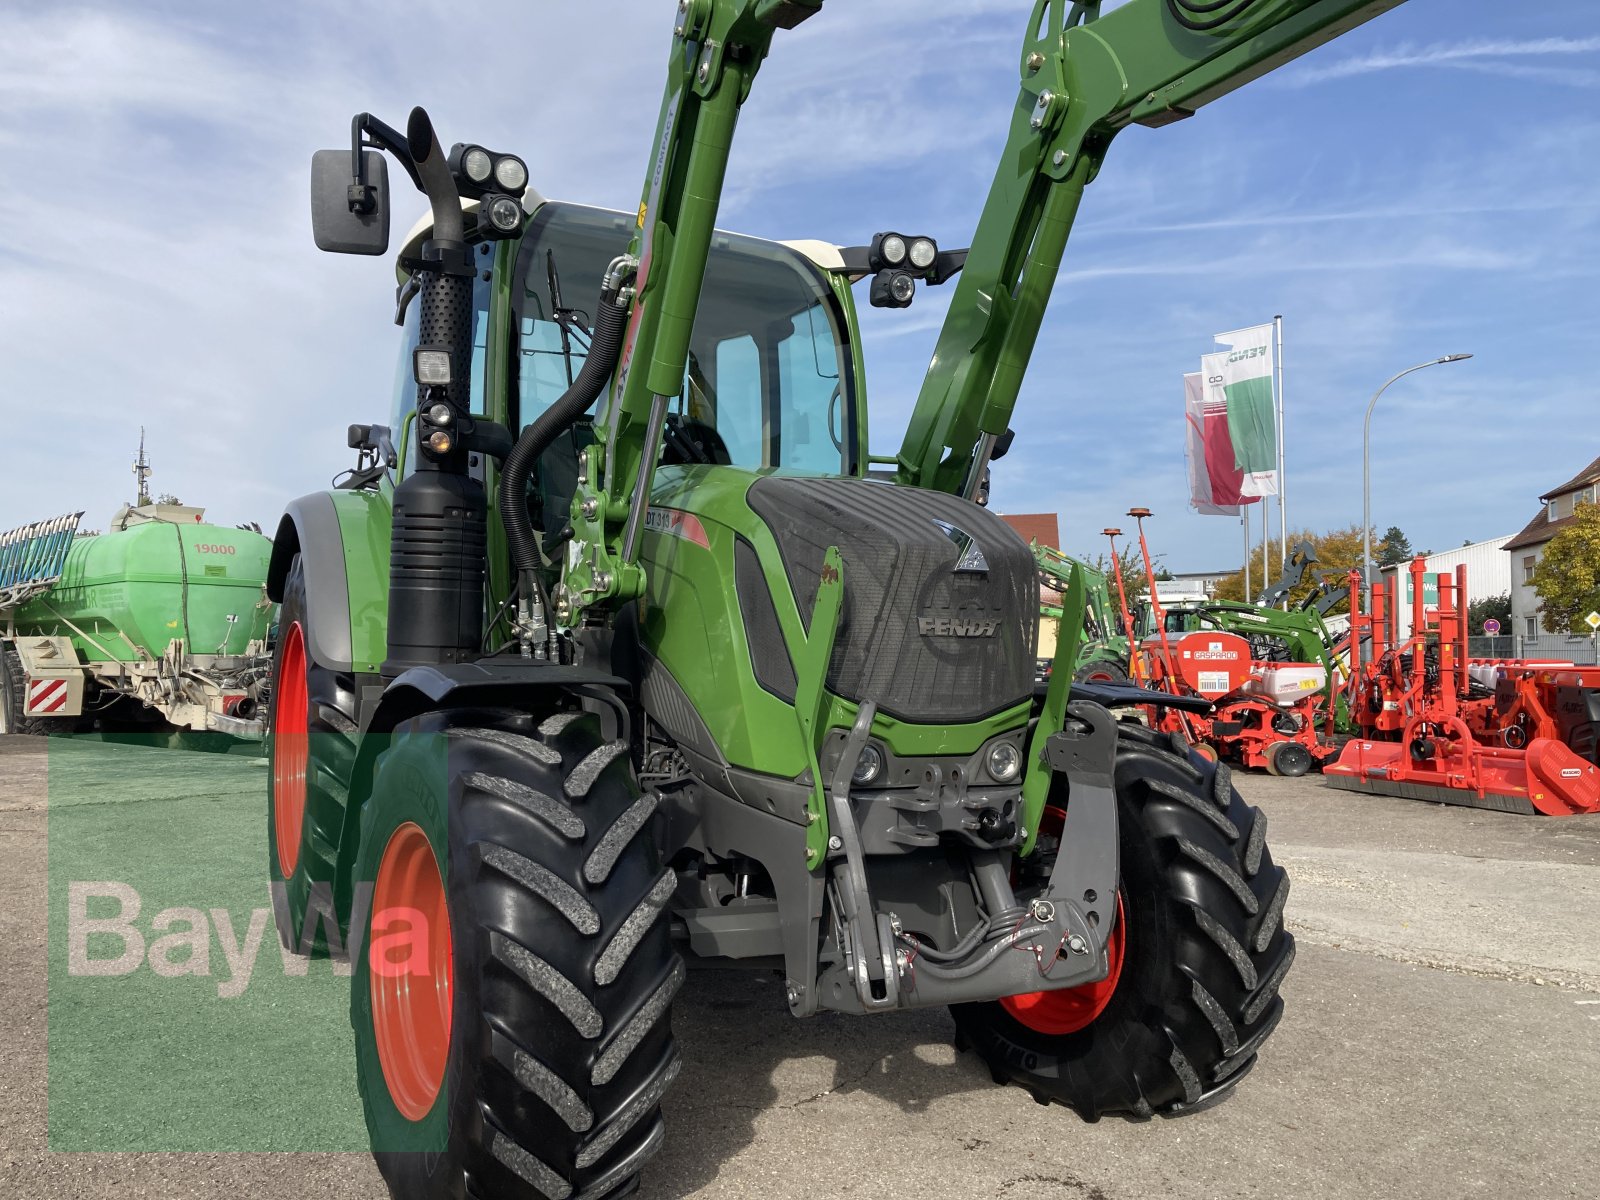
349, 216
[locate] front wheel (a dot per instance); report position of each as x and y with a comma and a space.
1198, 960
1102, 670
512, 990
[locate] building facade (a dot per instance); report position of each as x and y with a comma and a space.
1525, 549
1488, 574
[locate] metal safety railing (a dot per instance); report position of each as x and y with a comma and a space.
32, 557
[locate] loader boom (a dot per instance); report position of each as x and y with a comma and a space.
1084, 78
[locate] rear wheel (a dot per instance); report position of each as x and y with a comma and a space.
512, 991
13, 698
311, 748
1203, 953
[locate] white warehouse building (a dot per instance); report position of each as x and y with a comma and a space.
1488, 574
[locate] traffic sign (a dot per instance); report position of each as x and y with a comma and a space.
1592, 620
1491, 627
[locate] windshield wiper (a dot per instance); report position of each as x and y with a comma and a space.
564, 317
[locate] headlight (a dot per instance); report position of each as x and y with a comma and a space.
476, 164
1005, 761
869, 766
511, 173
439, 414
504, 214
893, 249
922, 253
902, 288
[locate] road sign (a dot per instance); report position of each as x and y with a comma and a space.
1592, 620
1491, 627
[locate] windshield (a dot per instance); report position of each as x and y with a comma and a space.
766, 383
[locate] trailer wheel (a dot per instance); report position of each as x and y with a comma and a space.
1203, 954
515, 875
13, 697
310, 748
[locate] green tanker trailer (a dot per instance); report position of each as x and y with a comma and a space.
160, 620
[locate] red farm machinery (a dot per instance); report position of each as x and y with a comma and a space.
1432, 723
1251, 685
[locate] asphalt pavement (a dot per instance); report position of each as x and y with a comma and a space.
1441, 1039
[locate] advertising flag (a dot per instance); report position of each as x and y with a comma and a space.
1214, 480
1240, 380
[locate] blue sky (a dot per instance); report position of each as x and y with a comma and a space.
1421, 186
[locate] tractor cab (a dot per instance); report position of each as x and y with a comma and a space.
773, 380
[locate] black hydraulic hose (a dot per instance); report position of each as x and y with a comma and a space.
604, 348
1202, 16
968, 969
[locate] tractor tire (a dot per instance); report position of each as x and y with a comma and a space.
311, 749
1103, 670
13, 698
1289, 760
1202, 954
534, 1067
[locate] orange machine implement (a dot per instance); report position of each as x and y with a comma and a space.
1435, 725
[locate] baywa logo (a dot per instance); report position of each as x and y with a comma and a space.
957, 626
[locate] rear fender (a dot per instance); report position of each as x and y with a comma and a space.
342, 538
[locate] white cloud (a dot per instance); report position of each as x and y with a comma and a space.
1479, 54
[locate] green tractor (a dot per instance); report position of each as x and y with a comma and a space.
621, 650
1104, 647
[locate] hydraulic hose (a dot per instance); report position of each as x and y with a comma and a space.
601, 360
968, 969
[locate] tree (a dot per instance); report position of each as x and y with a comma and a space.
167, 498
1394, 548
1490, 608
1338, 552
1567, 577
1132, 573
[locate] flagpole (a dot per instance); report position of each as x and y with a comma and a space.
1283, 483
1266, 539
1244, 525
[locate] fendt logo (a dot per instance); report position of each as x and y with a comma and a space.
1253, 352
957, 626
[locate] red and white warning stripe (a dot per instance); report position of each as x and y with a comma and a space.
46, 695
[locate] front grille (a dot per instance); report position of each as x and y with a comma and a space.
906, 607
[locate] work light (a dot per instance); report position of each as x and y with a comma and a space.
922, 253
430, 366
473, 164
511, 173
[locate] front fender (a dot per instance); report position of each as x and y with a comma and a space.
342, 538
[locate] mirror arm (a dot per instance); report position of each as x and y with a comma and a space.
381, 136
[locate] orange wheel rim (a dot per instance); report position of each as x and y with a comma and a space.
291, 750
410, 968
1067, 1010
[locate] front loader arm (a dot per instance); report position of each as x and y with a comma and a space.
718, 45
1084, 78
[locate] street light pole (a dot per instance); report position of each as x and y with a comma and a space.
1366, 468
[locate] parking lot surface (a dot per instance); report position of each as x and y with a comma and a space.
1442, 1034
